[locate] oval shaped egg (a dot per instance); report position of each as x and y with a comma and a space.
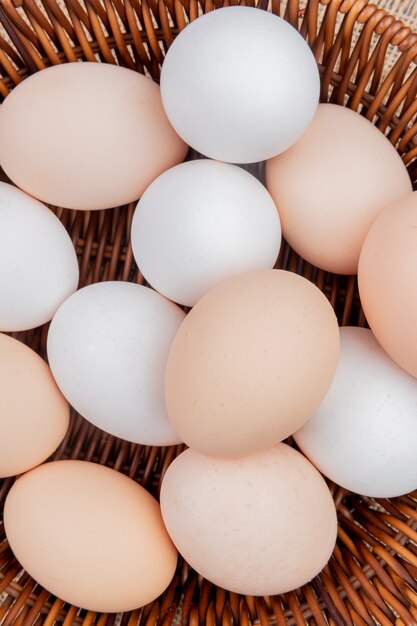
89, 535
201, 222
38, 263
94, 136
387, 277
366, 423
107, 348
332, 184
34, 416
259, 525
251, 362
239, 84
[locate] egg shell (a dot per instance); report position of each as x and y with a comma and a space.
260, 525
89, 535
107, 348
94, 136
332, 184
251, 362
387, 277
239, 84
34, 416
38, 263
366, 423
201, 222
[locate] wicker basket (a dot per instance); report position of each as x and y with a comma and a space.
372, 575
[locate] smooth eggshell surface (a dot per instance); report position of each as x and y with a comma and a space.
201, 222
38, 263
239, 84
260, 525
387, 281
89, 535
34, 416
364, 434
332, 184
107, 348
94, 136
251, 362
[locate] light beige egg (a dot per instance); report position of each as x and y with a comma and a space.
259, 525
90, 535
34, 415
331, 185
387, 280
86, 135
251, 362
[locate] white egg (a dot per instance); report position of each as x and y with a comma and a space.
107, 349
364, 434
38, 264
201, 222
239, 84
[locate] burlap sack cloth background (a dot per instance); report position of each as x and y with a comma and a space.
404, 9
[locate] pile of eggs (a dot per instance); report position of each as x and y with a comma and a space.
260, 355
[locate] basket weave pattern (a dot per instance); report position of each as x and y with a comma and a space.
372, 575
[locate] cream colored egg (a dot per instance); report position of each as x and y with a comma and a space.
259, 525
332, 184
86, 135
250, 363
387, 281
34, 415
89, 535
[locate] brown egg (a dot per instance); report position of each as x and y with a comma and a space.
387, 281
251, 362
86, 135
330, 186
34, 415
89, 535
259, 525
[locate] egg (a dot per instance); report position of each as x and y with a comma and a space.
387, 277
332, 184
107, 347
94, 135
34, 416
89, 535
201, 222
38, 263
239, 84
367, 422
261, 525
250, 363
